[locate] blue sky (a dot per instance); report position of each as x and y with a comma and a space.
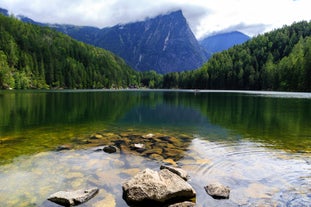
205, 17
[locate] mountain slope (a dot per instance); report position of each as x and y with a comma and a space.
38, 57
223, 41
164, 43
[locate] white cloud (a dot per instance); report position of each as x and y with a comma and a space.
204, 16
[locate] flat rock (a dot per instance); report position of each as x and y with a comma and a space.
73, 198
178, 171
218, 191
160, 187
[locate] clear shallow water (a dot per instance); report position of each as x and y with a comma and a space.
257, 143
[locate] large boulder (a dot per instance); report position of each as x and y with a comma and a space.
73, 198
160, 187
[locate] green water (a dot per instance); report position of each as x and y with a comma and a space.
258, 143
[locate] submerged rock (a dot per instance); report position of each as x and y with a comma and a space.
218, 191
63, 147
108, 201
160, 187
178, 171
183, 204
138, 147
148, 136
96, 136
157, 146
156, 157
73, 198
170, 162
99, 149
110, 149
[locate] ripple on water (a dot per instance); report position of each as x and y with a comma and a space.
256, 175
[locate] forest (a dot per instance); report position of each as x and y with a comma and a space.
34, 57
279, 60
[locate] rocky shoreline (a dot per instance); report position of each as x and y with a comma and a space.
166, 187
160, 147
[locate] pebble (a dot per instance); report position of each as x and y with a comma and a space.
110, 149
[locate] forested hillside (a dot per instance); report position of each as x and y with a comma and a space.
37, 57
278, 60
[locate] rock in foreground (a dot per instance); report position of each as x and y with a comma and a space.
218, 191
159, 187
73, 198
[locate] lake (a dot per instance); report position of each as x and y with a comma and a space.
257, 143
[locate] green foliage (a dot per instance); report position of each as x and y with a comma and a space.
278, 60
38, 57
6, 77
151, 79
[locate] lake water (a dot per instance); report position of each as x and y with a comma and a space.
257, 143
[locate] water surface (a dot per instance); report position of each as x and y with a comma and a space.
258, 143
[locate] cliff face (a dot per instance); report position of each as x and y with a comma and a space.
164, 43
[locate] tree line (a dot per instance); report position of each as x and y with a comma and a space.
279, 60
39, 57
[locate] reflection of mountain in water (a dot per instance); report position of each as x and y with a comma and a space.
164, 114
170, 116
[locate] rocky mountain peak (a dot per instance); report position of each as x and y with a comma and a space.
164, 43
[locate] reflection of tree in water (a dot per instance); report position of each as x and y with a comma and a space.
35, 121
20, 110
283, 122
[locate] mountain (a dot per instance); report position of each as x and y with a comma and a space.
4, 12
39, 57
223, 41
164, 43
28, 20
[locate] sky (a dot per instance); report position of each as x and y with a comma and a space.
205, 17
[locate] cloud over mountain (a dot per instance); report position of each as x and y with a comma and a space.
203, 16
